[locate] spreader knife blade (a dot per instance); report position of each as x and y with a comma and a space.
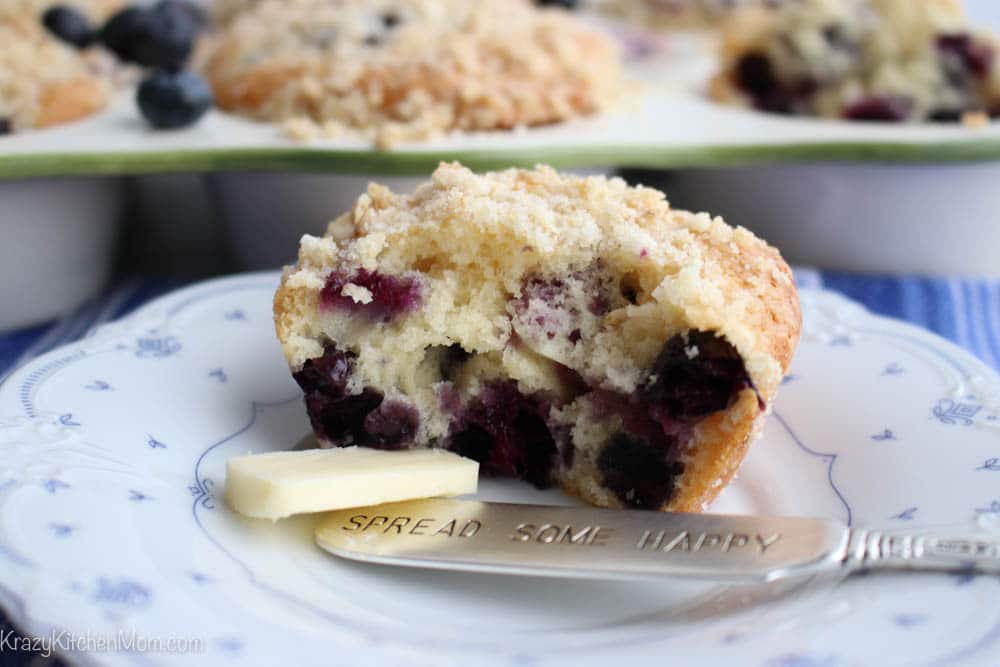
626, 544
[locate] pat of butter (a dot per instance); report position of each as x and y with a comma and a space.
279, 484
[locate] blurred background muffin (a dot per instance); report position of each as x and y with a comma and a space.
44, 80
400, 70
874, 60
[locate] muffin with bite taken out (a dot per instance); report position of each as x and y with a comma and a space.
572, 332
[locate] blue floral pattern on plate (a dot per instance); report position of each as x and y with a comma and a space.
123, 459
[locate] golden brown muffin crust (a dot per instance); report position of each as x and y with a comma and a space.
476, 241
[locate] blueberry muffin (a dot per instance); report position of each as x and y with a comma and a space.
560, 330
407, 69
44, 81
874, 60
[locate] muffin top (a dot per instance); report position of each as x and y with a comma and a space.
43, 81
406, 69
481, 238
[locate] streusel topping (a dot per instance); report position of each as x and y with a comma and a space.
407, 69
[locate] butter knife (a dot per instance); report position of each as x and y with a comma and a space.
626, 544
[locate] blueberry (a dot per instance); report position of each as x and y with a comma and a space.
972, 56
118, 33
392, 425
755, 75
879, 108
391, 296
193, 12
565, 4
343, 418
945, 116
69, 25
452, 360
336, 415
695, 377
474, 443
171, 100
390, 20
328, 374
6, 127
507, 433
168, 36
641, 476
162, 36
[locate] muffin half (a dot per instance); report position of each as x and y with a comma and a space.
565, 331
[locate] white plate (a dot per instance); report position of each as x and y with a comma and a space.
113, 452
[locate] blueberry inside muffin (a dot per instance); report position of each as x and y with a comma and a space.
871, 60
564, 331
399, 70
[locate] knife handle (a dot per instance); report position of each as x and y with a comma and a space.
875, 550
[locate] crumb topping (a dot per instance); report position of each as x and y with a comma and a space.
400, 70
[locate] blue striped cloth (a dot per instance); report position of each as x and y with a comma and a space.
19, 347
966, 312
